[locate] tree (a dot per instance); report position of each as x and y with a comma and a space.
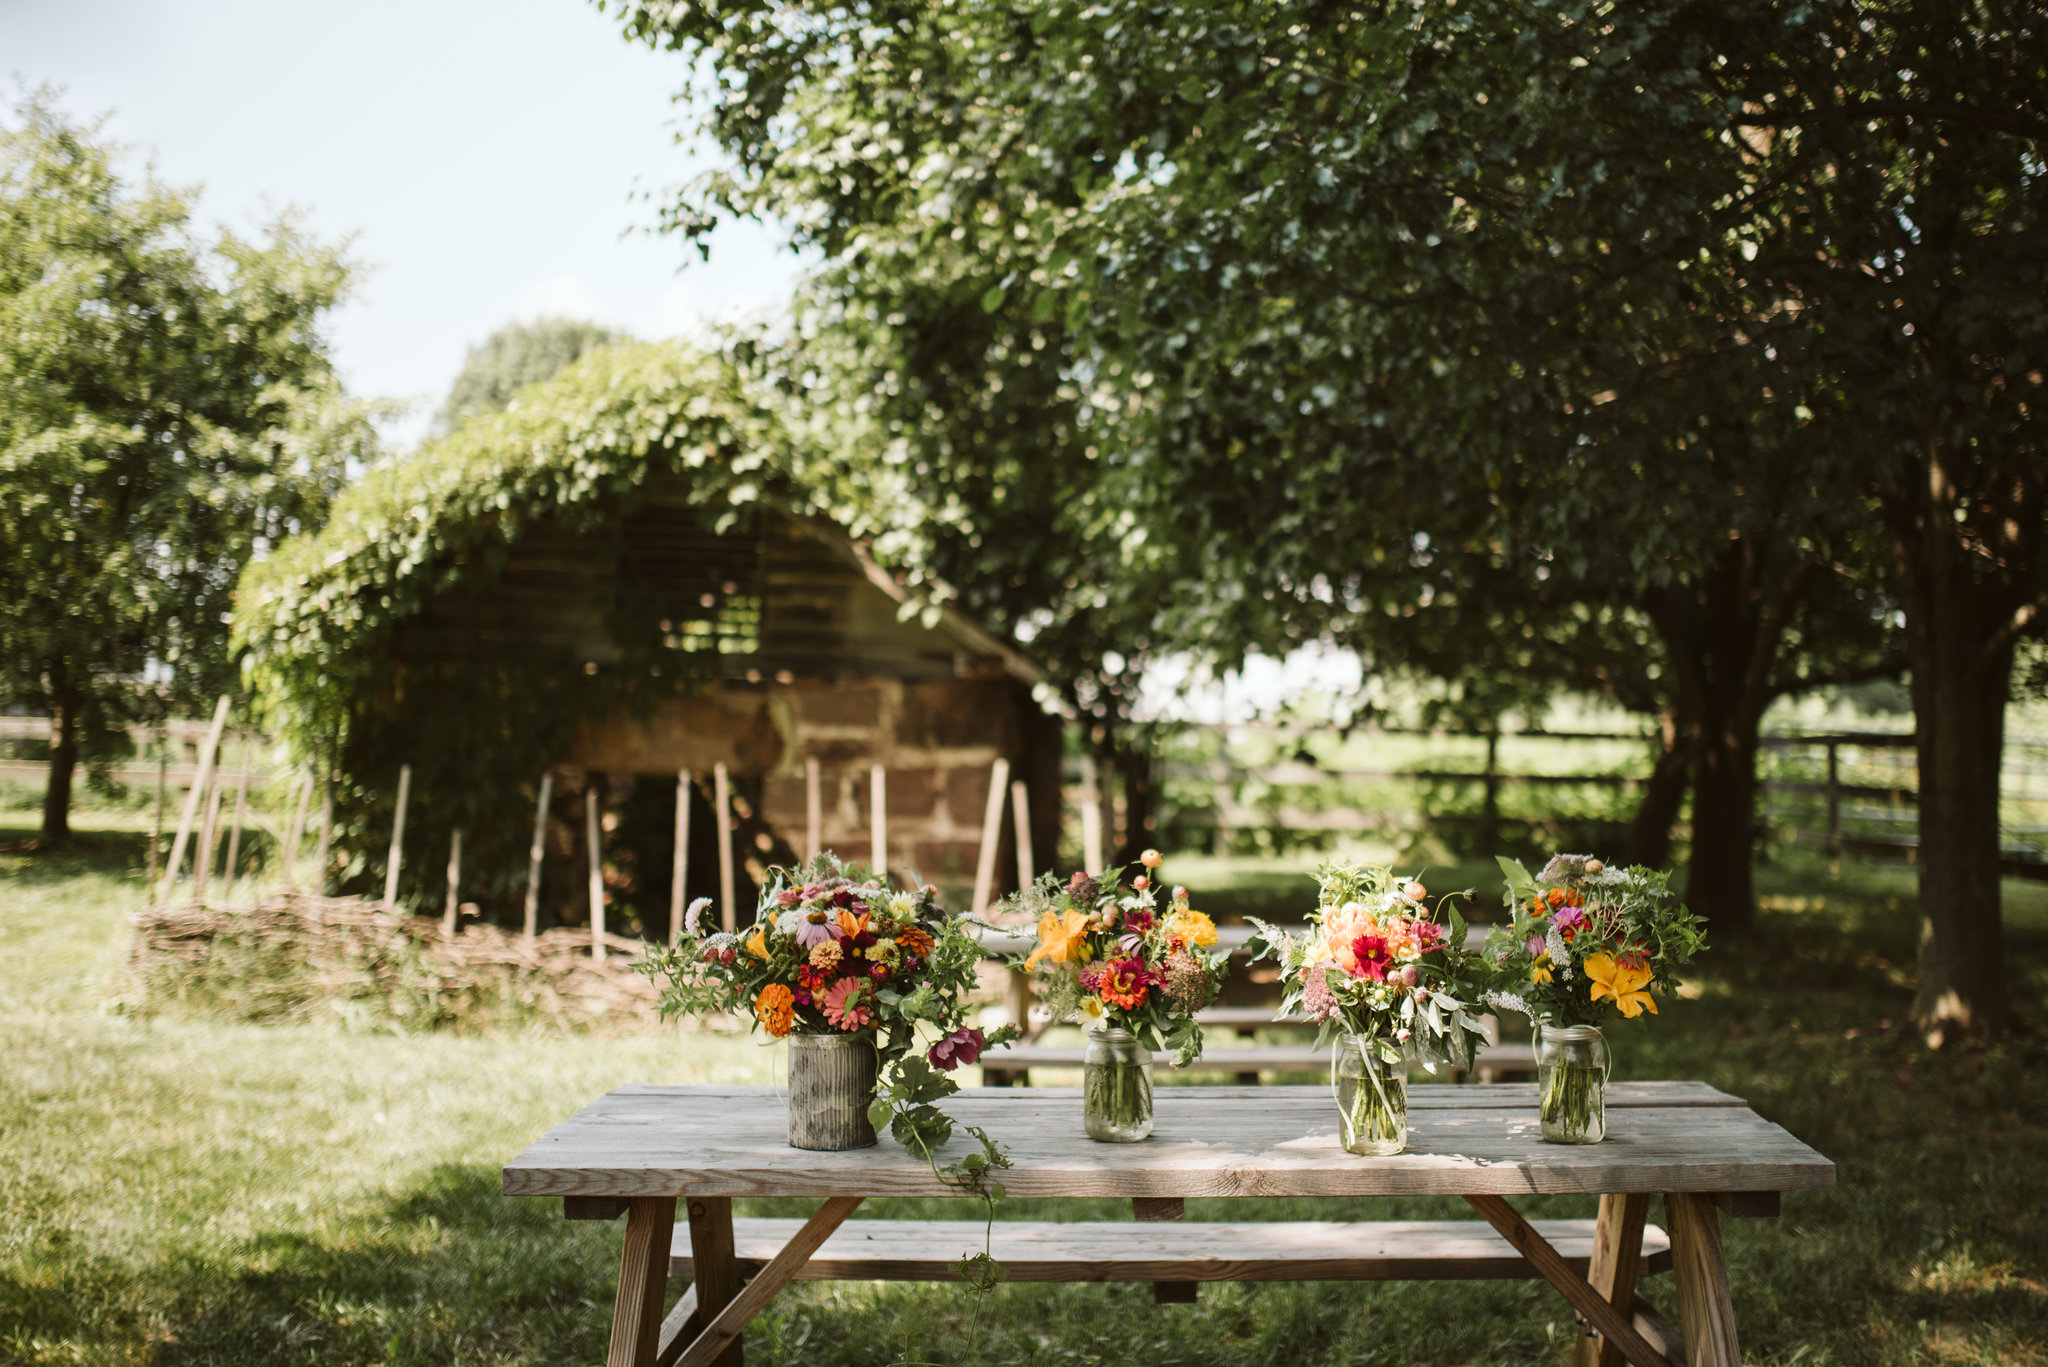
513, 357
169, 412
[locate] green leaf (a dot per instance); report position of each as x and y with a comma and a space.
992, 298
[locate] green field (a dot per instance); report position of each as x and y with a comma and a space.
206, 1192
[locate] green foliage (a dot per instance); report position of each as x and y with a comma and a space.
514, 357
169, 413
324, 619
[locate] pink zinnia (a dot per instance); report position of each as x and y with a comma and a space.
1569, 922
1429, 935
845, 1004
1374, 957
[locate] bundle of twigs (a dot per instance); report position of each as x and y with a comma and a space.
293, 955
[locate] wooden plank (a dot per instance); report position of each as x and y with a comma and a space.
1614, 1326
1020, 819
715, 1270
1114, 1251
593, 840
643, 1278
878, 821
536, 853
726, 1327
395, 858
1701, 1273
1613, 1269
593, 1207
200, 778
1209, 1141
728, 904
677, 1328
1659, 1331
991, 832
814, 808
679, 865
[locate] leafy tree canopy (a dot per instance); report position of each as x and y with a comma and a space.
513, 357
167, 410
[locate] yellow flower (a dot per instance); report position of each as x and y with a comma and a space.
1626, 987
1094, 1015
757, 944
1059, 938
1191, 927
1539, 971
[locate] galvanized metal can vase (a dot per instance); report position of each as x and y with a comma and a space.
1372, 1097
1116, 1088
831, 1082
1571, 1083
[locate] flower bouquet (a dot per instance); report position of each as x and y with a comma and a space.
1387, 981
866, 982
1132, 973
1587, 943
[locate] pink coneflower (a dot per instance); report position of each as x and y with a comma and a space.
1374, 957
815, 928
847, 1004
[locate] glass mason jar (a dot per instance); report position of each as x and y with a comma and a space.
1372, 1097
1116, 1088
1571, 1083
831, 1083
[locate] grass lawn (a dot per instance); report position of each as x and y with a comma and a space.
199, 1192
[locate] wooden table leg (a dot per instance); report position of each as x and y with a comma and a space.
643, 1280
1615, 1326
1617, 1253
1701, 1271
717, 1271
723, 1328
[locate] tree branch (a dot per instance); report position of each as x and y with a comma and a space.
2000, 121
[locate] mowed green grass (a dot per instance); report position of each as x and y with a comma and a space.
180, 1192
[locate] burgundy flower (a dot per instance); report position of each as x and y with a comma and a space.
962, 1046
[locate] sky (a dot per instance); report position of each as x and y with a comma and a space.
488, 160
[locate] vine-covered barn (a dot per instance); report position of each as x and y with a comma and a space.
628, 577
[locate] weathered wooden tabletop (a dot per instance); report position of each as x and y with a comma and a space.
649, 1141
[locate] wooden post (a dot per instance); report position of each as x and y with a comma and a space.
1700, 1270
396, 857
717, 1269
991, 832
326, 836
533, 856
594, 837
1489, 813
156, 825
878, 822
454, 904
197, 792
1834, 813
643, 1280
679, 881
235, 831
814, 809
721, 782
202, 854
1091, 816
1020, 817
303, 789
1611, 1271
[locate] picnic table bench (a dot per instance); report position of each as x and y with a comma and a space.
640, 1149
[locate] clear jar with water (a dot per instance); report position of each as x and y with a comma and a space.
1116, 1088
1372, 1096
1571, 1083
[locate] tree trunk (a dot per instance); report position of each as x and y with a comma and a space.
1965, 587
1649, 835
63, 762
1719, 881
1134, 766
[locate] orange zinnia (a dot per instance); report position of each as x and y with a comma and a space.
915, 940
775, 1008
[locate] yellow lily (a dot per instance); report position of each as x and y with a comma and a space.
1620, 984
757, 944
1059, 938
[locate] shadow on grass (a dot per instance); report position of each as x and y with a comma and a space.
106, 853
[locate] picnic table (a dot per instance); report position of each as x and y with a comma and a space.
640, 1149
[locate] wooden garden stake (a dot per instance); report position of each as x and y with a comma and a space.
878, 821
295, 836
156, 825
393, 860
197, 792
1091, 816
533, 856
721, 783
202, 854
991, 831
326, 844
814, 809
448, 913
1020, 816
594, 836
235, 831
679, 884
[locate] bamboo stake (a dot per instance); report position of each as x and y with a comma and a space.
721, 781
991, 832
534, 855
395, 859
1091, 816
202, 854
878, 821
1020, 815
197, 792
326, 845
156, 825
593, 836
679, 884
814, 809
295, 835
448, 912
241, 801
